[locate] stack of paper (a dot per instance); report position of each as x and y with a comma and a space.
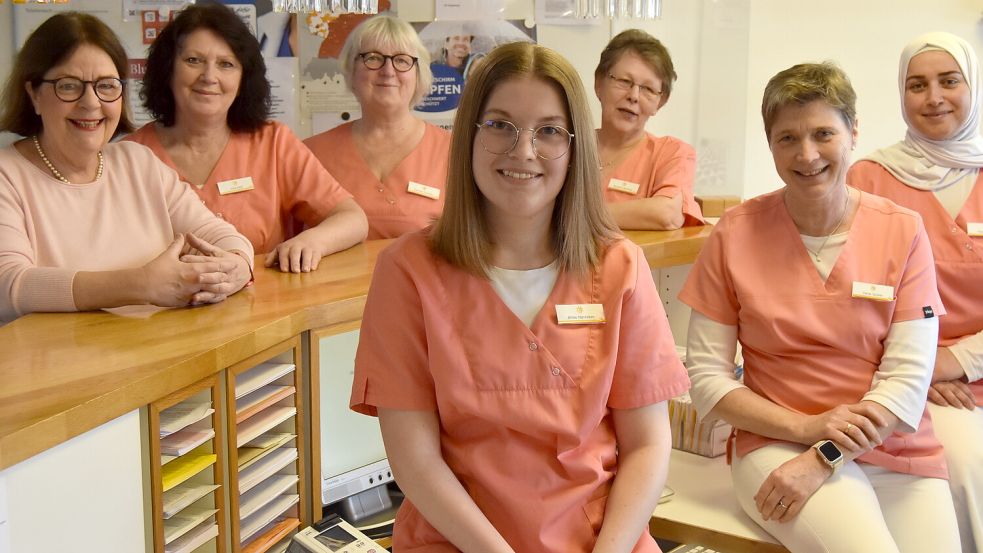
185, 467
185, 440
254, 499
262, 446
260, 375
193, 539
180, 524
261, 422
180, 497
267, 514
181, 415
271, 464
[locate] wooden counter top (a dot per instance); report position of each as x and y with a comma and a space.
62, 374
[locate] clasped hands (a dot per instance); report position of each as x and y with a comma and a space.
192, 271
855, 428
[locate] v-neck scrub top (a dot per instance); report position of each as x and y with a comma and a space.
291, 190
808, 345
391, 209
660, 166
958, 255
525, 412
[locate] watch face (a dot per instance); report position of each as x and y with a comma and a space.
830, 451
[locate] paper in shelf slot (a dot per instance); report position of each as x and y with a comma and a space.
689, 433
261, 375
263, 493
180, 524
185, 440
262, 422
270, 465
270, 393
180, 497
194, 538
269, 513
183, 468
183, 414
250, 455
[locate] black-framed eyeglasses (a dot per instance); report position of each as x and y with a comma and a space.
375, 60
645, 91
70, 89
499, 137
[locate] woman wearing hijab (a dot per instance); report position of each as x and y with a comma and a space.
935, 171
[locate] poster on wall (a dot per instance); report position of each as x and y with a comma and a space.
456, 48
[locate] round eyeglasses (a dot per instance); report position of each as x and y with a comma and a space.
375, 60
644, 91
70, 89
499, 137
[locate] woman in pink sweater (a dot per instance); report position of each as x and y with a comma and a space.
85, 224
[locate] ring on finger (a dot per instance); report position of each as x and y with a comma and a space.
849, 427
782, 505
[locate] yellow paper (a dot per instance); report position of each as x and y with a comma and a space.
183, 468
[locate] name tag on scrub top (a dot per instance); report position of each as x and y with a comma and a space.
974, 229
240, 184
423, 190
876, 292
580, 313
623, 186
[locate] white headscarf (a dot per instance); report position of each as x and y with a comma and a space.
928, 164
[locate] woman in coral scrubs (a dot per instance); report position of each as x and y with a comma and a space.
392, 162
935, 171
647, 179
206, 86
832, 295
517, 355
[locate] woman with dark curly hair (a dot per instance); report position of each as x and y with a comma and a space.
206, 87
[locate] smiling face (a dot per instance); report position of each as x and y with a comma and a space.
811, 146
627, 111
458, 49
520, 184
206, 77
936, 96
383, 88
82, 127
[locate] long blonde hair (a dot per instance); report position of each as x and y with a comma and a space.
581, 225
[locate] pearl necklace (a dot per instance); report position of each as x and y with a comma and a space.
55, 172
816, 253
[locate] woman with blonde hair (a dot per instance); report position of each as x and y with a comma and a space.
935, 171
392, 162
521, 327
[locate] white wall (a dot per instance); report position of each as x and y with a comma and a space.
865, 37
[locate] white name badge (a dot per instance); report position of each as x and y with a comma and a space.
974, 229
580, 313
240, 184
623, 186
876, 292
423, 190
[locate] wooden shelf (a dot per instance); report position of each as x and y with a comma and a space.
263, 542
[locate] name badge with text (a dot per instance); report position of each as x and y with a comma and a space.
580, 313
423, 190
974, 229
623, 186
240, 184
876, 292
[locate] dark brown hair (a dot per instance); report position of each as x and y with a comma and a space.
251, 108
50, 44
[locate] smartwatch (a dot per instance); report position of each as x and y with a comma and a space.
829, 454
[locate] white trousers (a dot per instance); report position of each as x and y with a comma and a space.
961, 434
862, 508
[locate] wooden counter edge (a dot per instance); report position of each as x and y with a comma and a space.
662, 249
